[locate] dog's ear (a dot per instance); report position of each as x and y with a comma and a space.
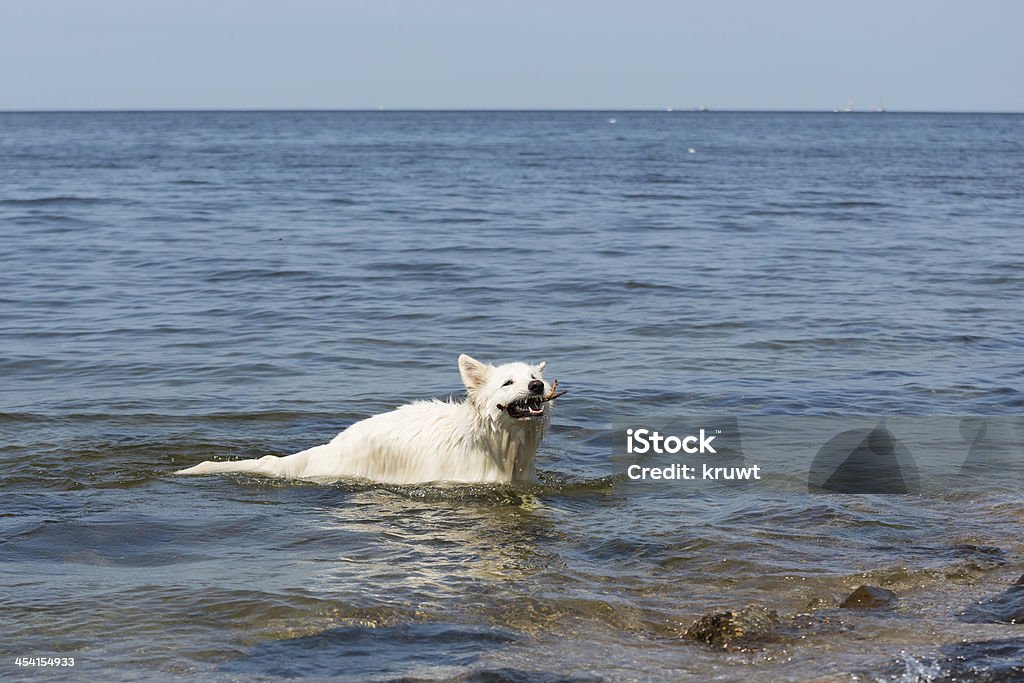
474, 373
541, 365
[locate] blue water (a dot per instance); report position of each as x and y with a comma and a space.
182, 286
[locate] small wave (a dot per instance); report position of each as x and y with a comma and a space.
129, 543
853, 204
444, 220
636, 284
48, 201
450, 270
67, 223
397, 651
657, 197
516, 495
256, 273
660, 179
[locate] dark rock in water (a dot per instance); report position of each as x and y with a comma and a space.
1005, 608
735, 628
986, 661
980, 557
1020, 581
868, 597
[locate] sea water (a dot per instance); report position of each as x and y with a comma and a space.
182, 286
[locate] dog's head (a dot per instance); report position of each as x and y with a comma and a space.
511, 394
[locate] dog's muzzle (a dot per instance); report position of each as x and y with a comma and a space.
525, 408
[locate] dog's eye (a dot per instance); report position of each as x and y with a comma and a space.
509, 382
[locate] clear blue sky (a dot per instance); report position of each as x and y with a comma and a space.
348, 54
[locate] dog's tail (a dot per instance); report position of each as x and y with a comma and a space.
269, 465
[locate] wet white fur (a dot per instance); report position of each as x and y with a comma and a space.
426, 441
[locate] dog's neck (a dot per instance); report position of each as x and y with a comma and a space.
516, 449
510, 447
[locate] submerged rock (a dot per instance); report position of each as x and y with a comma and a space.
735, 628
1004, 608
868, 597
985, 661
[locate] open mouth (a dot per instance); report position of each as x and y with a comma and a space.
531, 406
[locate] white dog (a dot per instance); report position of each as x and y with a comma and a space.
490, 437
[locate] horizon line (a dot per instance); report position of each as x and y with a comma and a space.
665, 110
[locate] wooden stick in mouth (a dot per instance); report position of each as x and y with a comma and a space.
551, 396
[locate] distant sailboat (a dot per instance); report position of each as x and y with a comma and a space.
845, 109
